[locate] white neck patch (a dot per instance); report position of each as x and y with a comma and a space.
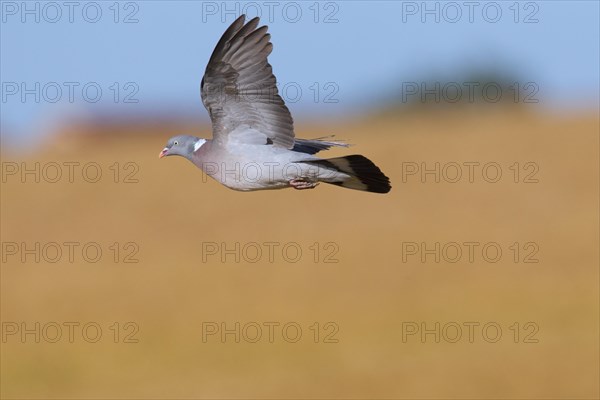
198, 144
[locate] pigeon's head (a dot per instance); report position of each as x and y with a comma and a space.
182, 145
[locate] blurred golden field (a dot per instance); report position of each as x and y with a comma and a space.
172, 210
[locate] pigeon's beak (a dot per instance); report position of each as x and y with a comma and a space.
163, 153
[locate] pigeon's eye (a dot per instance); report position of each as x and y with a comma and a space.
176, 143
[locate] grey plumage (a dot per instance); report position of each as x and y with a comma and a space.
239, 88
253, 128
313, 146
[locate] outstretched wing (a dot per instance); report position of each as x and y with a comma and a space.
239, 89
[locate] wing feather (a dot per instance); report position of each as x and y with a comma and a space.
239, 89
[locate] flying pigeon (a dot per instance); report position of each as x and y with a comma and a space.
253, 145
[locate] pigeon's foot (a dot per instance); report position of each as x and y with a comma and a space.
300, 183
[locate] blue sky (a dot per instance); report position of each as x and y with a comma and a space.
332, 58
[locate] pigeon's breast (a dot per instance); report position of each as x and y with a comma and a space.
251, 167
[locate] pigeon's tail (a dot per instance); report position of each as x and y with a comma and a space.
364, 175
